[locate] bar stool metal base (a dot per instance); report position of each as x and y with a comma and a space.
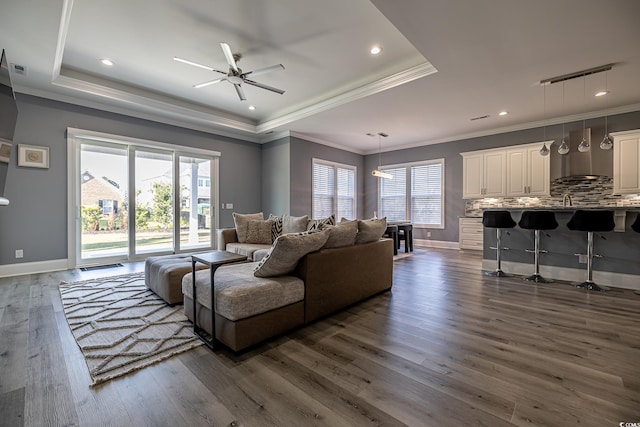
498, 273
591, 286
537, 278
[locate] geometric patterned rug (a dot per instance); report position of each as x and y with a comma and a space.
121, 326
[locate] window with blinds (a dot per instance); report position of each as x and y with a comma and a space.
334, 190
414, 194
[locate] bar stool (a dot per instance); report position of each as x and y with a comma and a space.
536, 221
392, 233
405, 232
591, 221
636, 227
498, 220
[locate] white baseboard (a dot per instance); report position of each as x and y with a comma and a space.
606, 278
442, 244
23, 268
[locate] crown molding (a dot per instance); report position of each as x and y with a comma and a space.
406, 76
514, 128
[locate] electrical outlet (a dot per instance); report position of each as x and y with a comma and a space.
19, 253
582, 259
229, 205
428, 234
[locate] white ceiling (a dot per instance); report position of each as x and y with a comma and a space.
443, 63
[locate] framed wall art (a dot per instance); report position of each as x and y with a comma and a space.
5, 150
33, 156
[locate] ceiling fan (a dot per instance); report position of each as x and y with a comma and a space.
235, 76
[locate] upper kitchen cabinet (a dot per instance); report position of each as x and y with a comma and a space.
483, 174
626, 162
528, 173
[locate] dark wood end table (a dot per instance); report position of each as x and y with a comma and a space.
213, 260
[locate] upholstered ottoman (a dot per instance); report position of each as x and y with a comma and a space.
163, 275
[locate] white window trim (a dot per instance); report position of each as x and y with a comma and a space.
408, 167
335, 189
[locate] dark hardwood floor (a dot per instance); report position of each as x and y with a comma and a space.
447, 346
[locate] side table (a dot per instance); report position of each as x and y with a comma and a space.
213, 260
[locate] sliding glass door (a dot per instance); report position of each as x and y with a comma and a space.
103, 180
134, 200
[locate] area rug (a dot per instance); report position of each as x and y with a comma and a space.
122, 326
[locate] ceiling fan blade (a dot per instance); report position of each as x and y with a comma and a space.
195, 64
229, 55
209, 83
240, 92
260, 85
264, 70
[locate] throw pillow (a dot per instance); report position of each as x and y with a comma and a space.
343, 234
370, 230
241, 221
276, 230
317, 224
294, 224
287, 251
259, 231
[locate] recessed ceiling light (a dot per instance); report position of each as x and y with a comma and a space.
503, 113
107, 62
602, 93
375, 50
252, 107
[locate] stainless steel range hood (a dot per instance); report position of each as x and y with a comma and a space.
589, 165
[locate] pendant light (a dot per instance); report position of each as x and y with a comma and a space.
606, 143
544, 151
564, 146
584, 144
379, 173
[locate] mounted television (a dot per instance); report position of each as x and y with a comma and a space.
8, 118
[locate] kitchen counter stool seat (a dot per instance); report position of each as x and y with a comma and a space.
591, 221
498, 220
537, 220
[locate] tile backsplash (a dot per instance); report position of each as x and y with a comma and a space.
584, 193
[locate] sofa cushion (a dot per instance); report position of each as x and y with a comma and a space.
239, 294
246, 249
259, 231
287, 250
317, 224
343, 234
241, 221
294, 224
370, 230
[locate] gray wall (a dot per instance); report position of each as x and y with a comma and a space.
36, 219
450, 151
302, 153
276, 177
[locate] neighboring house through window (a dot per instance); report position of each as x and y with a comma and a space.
334, 190
415, 193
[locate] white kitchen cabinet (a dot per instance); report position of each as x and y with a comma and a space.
471, 233
483, 174
528, 173
626, 162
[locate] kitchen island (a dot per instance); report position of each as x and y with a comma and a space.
620, 249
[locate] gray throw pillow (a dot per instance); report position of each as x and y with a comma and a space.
241, 221
287, 251
343, 234
370, 230
318, 224
259, 231
294, 224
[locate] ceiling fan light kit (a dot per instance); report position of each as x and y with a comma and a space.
235, 76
